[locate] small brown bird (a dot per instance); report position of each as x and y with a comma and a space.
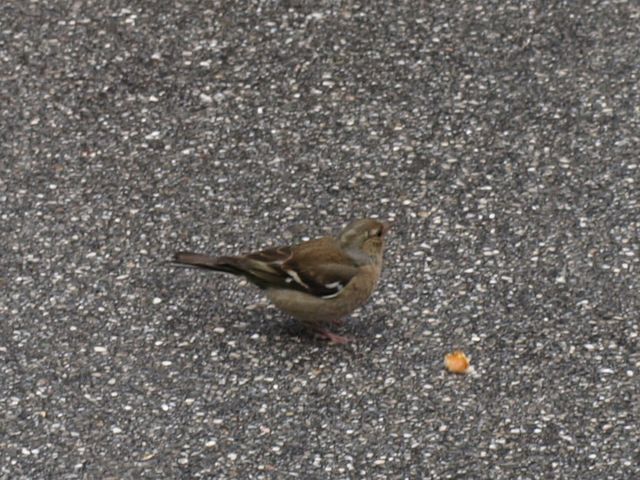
318, 282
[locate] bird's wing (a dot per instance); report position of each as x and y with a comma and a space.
318, 267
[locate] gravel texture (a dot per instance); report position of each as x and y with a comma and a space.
502, 138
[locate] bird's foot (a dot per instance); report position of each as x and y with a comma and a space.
333, 338
338, 322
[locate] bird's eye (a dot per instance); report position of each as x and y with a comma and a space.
375, 232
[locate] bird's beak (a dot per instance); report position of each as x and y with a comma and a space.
386, 226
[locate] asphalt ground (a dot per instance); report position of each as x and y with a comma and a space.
501, 137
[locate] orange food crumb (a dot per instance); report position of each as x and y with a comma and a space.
456, 362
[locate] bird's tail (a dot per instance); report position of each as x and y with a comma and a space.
255, 271
206, 262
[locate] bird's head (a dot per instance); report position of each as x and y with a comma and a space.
367, 236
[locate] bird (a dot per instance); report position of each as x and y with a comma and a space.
318, 282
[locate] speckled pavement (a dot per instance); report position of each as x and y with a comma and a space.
501, 137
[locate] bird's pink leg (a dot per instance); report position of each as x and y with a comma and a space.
333, 338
